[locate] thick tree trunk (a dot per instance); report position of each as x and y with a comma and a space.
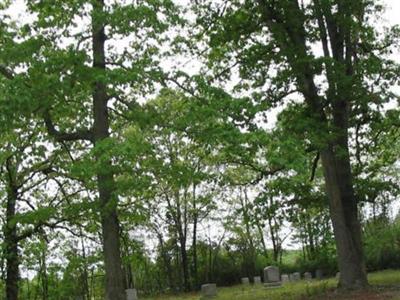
11, 247
344, 215
343, 203
115, 289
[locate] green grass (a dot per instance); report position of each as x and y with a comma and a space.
387, 277
289, 291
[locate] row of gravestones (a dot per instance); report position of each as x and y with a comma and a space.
272, 278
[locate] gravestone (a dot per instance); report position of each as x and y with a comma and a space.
295, 276
131, 294
307, 276
285, 278
272, 277
319, 274
257, 279
208, 290
245, 280
338, 275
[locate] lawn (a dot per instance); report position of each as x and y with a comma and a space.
384, 285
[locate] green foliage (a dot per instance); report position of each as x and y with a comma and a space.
382, 243
199, 153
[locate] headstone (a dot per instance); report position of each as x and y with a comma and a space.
319, 274
131, 294
257, 280
307, 276
208, 290
285, 278
245, 280
272, 277
338, 275
295, 276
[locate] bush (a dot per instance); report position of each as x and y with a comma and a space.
382, 244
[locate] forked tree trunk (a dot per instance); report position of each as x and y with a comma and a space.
286, 20
115, 289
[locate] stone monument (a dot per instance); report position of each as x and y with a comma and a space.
307, 276
319, 274
285, 278
208, 290
295, 276
272, 277
131, 294
257, 280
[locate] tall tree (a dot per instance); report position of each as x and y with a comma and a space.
274, 44
75, 78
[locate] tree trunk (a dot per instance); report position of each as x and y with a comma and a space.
194, 240
115, 289
44, 280
344, 215
250, 258
166, 260
194, 246
185, 265
262, 239
11, 247
85, 273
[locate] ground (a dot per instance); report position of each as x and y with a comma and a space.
384, 285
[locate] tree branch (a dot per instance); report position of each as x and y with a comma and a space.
6, 72
314, 166
79, 134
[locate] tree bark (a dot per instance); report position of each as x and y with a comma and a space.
115, 289
185, 265
194, 238
344, 215
11, 246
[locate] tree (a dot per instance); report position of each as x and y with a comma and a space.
273, 43
26, 168
182, 176
71, 78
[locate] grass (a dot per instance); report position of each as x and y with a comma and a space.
293, 291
